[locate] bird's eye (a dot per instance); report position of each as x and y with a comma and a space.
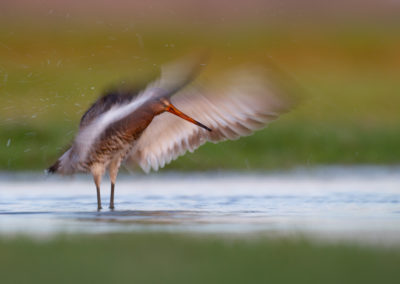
164, 102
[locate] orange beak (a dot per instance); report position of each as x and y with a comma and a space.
170, 108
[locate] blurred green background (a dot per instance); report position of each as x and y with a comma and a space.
175, 258
56, 57
54, 63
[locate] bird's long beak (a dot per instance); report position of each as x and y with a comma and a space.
172, 109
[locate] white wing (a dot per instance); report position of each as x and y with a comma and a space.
248, 104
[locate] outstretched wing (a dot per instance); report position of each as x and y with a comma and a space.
105, 103
173, 77
248, 103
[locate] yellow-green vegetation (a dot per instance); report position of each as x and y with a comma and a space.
174, 258
50, 73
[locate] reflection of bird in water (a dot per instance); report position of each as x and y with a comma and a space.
133, 127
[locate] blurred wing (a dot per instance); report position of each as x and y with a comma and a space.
247, 105
173, 77
104, 104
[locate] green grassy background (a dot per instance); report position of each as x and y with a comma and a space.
50, 73
174, 258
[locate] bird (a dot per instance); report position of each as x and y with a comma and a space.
157, 124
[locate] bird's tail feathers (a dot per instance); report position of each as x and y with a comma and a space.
53, 169
65, 165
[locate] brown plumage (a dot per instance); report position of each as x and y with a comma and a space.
134, 126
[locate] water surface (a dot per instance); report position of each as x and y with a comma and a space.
335, 203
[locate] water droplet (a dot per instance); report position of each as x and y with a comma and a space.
140, 40
8, 142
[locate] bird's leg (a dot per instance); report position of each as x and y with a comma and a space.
98, 198
97, 172
112, 196
113, 171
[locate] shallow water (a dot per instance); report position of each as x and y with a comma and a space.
334, 203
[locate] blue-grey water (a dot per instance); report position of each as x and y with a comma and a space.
332, 202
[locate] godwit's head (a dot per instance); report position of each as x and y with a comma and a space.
164, 104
